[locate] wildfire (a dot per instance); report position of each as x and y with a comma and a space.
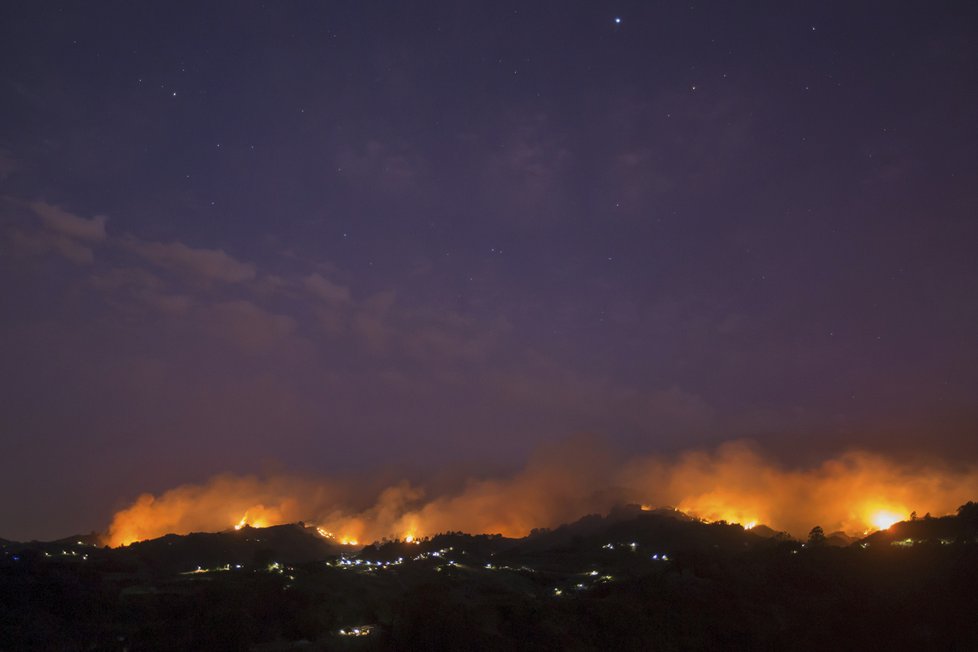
883, 519
718, 507
252, 522
736, 483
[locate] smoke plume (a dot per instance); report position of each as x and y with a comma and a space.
854, 492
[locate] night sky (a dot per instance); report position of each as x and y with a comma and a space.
330, 237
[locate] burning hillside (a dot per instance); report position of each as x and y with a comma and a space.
855, 492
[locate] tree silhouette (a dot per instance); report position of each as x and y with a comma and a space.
968, 516
968, 511
816, 537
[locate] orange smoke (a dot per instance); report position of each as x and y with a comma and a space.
854, 492
224, 502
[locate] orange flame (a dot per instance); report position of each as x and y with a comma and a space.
883, 519
254, 521
854, 492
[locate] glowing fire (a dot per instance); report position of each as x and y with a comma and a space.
883, 519
251, 522
345, 540
718, 507
736, 483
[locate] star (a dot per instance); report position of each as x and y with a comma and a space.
617, 20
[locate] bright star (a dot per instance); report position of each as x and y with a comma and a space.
617, 20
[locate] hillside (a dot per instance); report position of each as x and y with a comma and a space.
629, 579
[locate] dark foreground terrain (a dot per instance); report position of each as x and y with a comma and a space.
629, 581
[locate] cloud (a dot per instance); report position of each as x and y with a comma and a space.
530, 169
371, 322
209, 264
325, 289
169, 304
42, 242
62, 233
68, 224
435, 336
247, 325
116, 279
447, 335
270, 284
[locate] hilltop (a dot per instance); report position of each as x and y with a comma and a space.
629, 579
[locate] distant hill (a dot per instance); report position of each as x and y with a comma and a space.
840, 539
287, 544
766, 532
943, 530
661, 529
665, 528
90, 539
631, 579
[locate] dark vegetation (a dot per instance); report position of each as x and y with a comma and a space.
631, 580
